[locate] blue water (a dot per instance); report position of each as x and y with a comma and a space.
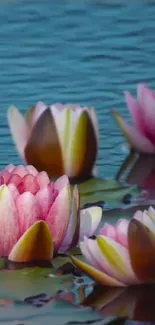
83, 51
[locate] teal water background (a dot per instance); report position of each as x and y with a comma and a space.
80, 51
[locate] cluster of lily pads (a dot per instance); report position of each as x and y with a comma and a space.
40, 210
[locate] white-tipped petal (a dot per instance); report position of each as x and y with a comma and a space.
19, 129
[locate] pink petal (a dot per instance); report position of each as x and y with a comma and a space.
108, 230
61, 182
32, 170
51, 186
90, 219
133, 136
151, 211
19, 129
14, 191
40, 107
87, 253
136, 111
29, 184
15, 179
67, 241
10, 168
100, 261
6, 175
45, 199
9, 227
147, 218
115, 260
58, 216
138, 215
122, 232
42, 179
147, 101
148, 221
55, 194
92, 113
29, 211
20, 170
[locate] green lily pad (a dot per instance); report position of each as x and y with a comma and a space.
98, 184
19, 284
109, 196
60, 261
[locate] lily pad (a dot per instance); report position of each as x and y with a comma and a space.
98, 184
58, 312
116, 195
19, 284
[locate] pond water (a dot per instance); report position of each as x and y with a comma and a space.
79, 51
85, 52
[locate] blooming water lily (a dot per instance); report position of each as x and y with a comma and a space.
124, 254
38, 217
141, 136
59, 139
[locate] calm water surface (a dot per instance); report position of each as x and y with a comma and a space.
75, 51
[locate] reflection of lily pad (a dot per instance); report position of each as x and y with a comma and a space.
20, 284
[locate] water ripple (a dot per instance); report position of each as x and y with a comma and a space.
75, 51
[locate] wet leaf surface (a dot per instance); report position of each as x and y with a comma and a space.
19, 284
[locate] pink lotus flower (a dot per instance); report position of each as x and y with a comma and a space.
141, 136
60, 139
123, 255
38, 216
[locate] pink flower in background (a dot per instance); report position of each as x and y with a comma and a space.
124, 254
141, 136
59, 139
38, 216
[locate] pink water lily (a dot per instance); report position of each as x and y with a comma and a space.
124, 254
141, 136
38, 216
59, 139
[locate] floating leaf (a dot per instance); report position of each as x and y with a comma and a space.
19, 284
60, 261
116, 195
98, 184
